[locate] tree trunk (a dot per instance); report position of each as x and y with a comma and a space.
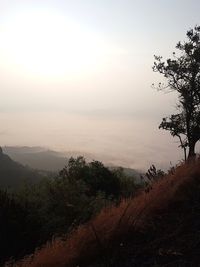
185, 153
192, 154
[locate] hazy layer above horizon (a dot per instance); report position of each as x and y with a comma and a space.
76, 75
130, 142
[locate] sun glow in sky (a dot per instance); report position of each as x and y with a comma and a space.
45, 43
77, 75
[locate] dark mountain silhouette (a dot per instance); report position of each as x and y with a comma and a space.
13, 174
41, 158
37, 157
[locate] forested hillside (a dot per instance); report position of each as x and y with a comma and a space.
13, 175
38, 212
159, 227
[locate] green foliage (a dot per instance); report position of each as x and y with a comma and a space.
94, 174
52, 207
128, 186
182, 73
19, 227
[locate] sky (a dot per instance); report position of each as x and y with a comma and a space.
77, 75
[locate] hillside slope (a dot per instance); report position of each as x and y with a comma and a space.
159, 227
37, 157
13, 174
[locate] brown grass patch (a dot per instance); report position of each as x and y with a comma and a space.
98, 235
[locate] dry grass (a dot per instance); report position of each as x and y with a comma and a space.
98, 235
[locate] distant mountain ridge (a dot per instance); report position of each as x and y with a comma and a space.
37, 157
41, 158
14, 174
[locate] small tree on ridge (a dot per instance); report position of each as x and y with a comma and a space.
182, 73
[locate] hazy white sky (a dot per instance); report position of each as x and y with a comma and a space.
76, 75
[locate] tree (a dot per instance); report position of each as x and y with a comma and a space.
94, 174
182, 73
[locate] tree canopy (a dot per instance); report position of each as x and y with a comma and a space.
182, 73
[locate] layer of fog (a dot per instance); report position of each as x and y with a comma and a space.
120, 139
